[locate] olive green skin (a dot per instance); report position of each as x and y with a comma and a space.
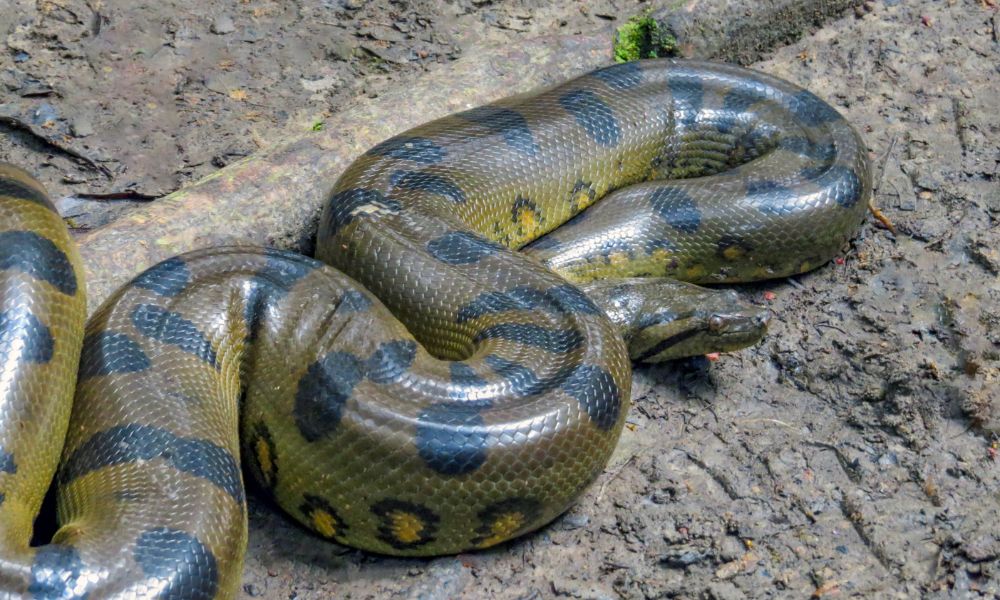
452, 395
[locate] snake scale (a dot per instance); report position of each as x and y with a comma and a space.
436, 391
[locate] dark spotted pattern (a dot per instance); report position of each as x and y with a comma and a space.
389, 508
464, 376
182, 567
623, 76
21, 330
354, 301
729, 243
508, 123
260, 440
168, 278
772, 198
415, 149
30, 253
847, 180
315, 507
284, 269
520, 206
594, 115
556, 300
558, 341
323, 391
7, 463
598, 394
106, 352
522, 380
343, 207
15, 189
451, 438
688, 95
677, 208
432, 183
809, 108
56, 574
390, 361
133, 442
165, 326
524, 511
461, 248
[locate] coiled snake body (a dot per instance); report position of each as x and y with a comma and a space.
454, 393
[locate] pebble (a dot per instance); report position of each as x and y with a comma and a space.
222, 25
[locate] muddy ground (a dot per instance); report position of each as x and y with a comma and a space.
852, 453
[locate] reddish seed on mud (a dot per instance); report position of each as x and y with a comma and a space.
769, 296
712, 356
839, 260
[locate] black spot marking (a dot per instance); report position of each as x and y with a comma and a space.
107, 352
16, 189
38, 257
558, 341
688, 95
23, 331
729, 244
451, 438
391, 511
7, 463
281, 271
507, 122
580, 189
845, 183
594, 115
620, 77
56, 574
263, 456
522, 380
461, 248
322, 517
521, 205
390, 361
168, 327
168, 278
342, 207
323, 391
598, 394
677, 208
284, 269
184, 568
416, 149
133, 442
561, 299
771, 197
742, 96
546, 242
354, 301
465, 376
809, 108
506, 519
431, 183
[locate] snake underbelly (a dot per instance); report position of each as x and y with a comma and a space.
449, 394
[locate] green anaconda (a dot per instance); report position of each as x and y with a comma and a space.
436, 390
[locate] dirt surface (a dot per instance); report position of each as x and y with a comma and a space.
853, 453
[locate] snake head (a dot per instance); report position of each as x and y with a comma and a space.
664, 319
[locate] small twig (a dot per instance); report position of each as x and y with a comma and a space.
614, 475
52, 141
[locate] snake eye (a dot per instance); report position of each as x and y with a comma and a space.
716, 323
